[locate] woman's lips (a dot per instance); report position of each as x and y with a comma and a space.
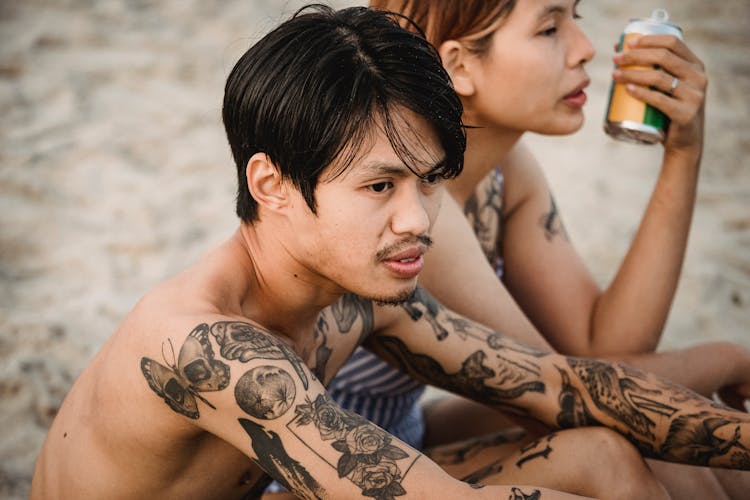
576, 99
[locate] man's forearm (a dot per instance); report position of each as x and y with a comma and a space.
665, 421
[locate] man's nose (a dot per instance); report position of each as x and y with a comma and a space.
411, 215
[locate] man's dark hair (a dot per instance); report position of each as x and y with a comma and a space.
309, 93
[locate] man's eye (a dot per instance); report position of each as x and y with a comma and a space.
380, 187
433, 179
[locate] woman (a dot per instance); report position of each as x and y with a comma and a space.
519, 66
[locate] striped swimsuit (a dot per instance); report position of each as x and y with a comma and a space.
384, 395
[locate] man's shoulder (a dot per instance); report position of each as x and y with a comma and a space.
169, 309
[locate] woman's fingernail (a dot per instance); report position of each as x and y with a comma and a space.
632, 42
630, 87
616, 74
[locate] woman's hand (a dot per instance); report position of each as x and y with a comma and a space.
736, 392
736, 396
663, 72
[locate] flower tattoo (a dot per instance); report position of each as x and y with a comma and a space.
368, 458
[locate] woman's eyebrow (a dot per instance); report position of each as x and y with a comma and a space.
556, 9
551, 9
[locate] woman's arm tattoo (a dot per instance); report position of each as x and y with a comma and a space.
552, 223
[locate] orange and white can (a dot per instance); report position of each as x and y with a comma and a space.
628, 118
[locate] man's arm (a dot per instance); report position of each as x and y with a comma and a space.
470, 287
241, 383
664, 420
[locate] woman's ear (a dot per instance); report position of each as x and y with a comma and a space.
265, 183
456, 60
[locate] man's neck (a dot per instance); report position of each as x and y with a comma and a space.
486, 149
280, 294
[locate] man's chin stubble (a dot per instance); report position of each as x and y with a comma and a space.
395, 300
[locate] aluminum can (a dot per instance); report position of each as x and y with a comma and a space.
627, 118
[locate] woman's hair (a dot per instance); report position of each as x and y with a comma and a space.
311, 92
471, 21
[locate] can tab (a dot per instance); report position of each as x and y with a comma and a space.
660, 15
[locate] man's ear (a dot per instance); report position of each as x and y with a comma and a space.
265, 183
457, 62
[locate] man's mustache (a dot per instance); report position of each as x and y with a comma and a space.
384, 253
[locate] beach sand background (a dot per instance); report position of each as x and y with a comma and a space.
114, 174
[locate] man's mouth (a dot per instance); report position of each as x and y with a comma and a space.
406, 262
405, 267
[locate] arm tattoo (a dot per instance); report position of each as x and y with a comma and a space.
484, 211
243, 341
461, 452
322, 352
474, 379
532, 451
693, 439
194, 371
552, 223
265, 392
620, 397
573, 410
344, 314
419, 305
700, 431
273, 458
517, 494
368, 458
350, 307
483, 473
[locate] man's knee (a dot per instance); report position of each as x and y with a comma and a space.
620, 466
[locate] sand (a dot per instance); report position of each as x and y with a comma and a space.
114, 174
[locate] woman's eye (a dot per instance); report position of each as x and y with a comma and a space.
380, 187
549, 31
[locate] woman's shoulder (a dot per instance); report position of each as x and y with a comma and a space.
523, 177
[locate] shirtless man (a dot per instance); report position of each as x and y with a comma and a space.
343, 125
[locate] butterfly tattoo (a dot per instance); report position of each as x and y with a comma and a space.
196, 371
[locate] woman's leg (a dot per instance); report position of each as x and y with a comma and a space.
686, 481
591, 461
449, 419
